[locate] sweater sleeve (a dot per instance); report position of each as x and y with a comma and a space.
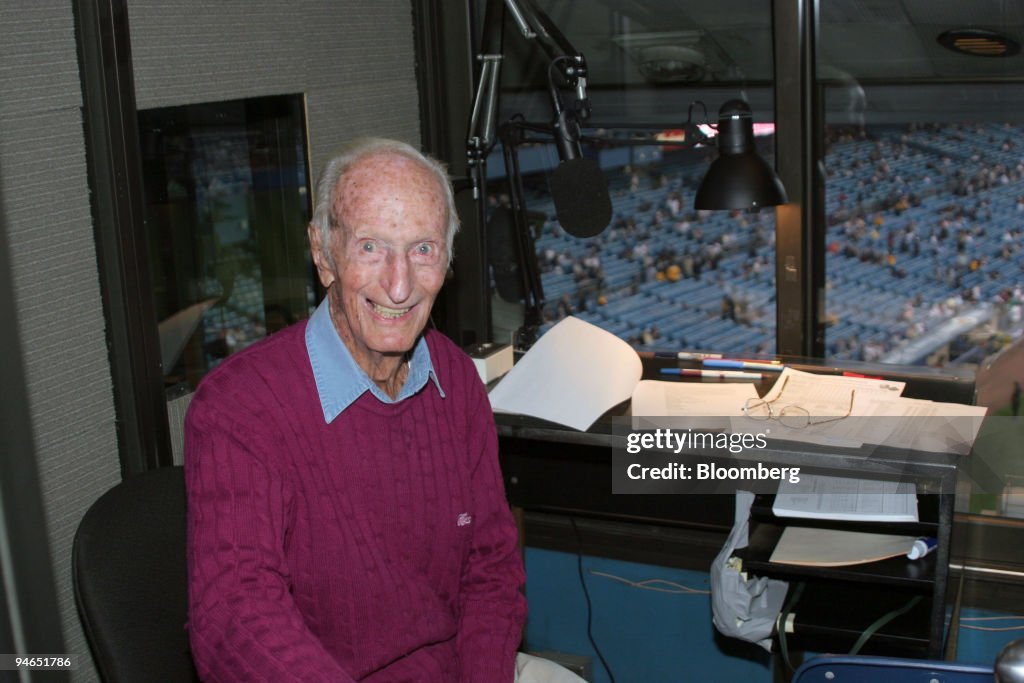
493, 607
243, 623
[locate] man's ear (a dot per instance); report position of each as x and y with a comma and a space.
320, 259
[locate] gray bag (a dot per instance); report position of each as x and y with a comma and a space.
743, 607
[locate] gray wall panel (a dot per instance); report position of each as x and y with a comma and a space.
37, 72
354, 60
338, 115
45, 195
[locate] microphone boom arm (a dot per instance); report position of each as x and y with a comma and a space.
534, 24
482, 121
533, 289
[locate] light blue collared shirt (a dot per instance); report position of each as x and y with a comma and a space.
340, 380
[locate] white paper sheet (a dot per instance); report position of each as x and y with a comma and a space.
929, 426
869, 500
656, 398
571, 376
710, 404
824, 396
880, 415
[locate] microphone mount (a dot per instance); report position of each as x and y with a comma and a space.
566, 60
571, 66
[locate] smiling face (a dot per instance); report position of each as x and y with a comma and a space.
388, 257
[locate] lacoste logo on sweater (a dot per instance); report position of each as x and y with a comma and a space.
465, 519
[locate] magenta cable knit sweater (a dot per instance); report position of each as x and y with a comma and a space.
377, 548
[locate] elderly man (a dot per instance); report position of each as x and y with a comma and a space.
347, 519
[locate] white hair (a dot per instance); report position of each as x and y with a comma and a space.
334, 170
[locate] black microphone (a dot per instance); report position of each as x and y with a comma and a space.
578, 187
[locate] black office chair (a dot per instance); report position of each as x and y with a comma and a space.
130, 580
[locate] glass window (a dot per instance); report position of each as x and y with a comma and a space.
661, 275
227, 202
924, 180
923, 246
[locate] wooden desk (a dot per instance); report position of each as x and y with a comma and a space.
556, 469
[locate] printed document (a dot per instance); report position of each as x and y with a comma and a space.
825, 497
711, 404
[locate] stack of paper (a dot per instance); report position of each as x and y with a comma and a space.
577, 371
706, 406
867, 500
921, 425
841, 498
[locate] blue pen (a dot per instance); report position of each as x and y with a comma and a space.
679, 355
656, 354
742, 365
714, 374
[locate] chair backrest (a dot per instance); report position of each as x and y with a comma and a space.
130, 579
866, 669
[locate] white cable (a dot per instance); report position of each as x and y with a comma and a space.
1013, 617
993, 628
653, 584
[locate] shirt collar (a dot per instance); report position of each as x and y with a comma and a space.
340, 380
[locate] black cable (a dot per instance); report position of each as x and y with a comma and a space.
556, 98
783, 617
864, 636
882, 621
586, 595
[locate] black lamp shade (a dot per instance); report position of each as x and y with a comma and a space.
738, 178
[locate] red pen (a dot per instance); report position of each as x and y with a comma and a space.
859, 376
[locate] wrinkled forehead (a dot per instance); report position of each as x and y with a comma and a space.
383, 181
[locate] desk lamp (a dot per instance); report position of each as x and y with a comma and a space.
739, 178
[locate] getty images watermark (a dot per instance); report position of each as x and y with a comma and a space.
702, 455
688, 459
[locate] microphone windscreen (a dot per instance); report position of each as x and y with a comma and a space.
580, 193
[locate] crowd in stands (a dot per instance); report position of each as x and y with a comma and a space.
924, 223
